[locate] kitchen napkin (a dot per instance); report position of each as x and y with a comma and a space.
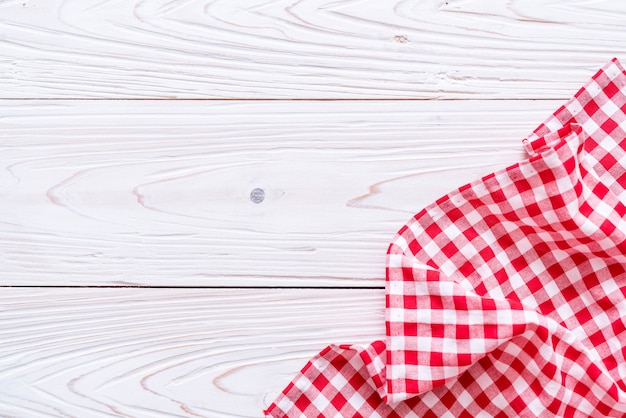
505, 297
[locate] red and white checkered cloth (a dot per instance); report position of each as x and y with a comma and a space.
506, 297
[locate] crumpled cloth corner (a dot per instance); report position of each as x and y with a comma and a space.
505, 297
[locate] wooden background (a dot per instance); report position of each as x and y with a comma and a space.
139, 279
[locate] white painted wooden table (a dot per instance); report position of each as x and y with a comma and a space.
138, 277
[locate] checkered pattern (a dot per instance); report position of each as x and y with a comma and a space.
505, 297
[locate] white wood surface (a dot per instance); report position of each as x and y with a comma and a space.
167, 352
96, 191
157, 193
305, 49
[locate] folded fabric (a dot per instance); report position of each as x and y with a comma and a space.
506, 297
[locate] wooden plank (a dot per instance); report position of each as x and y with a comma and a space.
157, 193
305, 49
167, 352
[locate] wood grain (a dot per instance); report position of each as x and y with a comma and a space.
305, 48
157, 193
167, 352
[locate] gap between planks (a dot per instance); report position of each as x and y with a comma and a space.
275, 99
199, 287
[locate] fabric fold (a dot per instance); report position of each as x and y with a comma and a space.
505, 297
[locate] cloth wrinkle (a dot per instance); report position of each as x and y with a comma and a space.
505, 297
